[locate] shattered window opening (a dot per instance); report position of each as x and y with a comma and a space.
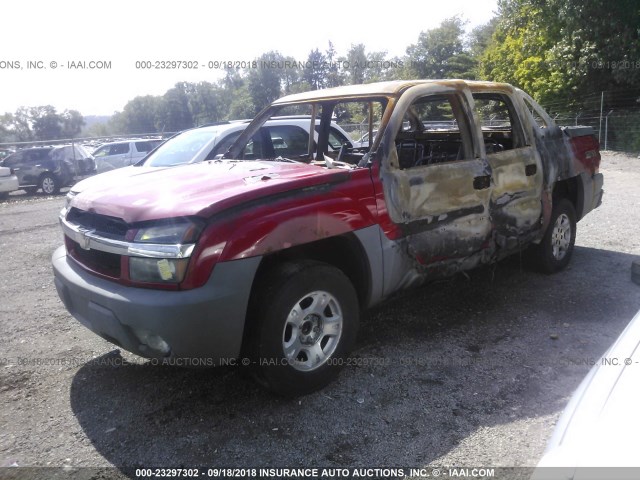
430, 133
501, 129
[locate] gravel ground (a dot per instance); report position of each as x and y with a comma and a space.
472, 371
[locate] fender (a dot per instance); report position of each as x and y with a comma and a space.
283, 221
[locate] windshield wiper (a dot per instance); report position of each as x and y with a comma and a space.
287, 160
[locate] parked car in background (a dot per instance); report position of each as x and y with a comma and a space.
5, 152
50, 168
8, 182
364, 139
288, 136
599, 427
122, 154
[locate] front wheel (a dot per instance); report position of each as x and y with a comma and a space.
555, 250
306, 320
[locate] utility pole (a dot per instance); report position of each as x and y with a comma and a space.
606, 128
601, 105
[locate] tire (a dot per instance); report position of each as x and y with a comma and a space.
49, 184
305, 321
555, 250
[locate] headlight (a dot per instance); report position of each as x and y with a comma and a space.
174, 232
164, 251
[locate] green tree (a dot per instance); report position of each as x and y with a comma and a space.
480, 38
232, 80
98, 130
334, 79
46, 123
355, 64
519, 46
292, 79
173, 113
315, 70
440, 52
138, 116
264, 83
72, 123
560, 51
5, 132
378, 68
17, 126
242, 105
207, 103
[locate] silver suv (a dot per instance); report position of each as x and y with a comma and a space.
121, 154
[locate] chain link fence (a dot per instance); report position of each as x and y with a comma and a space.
614, 116
619, 132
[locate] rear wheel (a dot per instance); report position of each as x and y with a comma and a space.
555, 250
49, 184
306, 321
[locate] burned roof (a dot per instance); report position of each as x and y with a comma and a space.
393, 87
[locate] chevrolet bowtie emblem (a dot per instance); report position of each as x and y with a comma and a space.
85, 239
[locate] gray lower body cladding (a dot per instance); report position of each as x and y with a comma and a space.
203, 323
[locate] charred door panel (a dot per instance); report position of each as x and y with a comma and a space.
517, 187
445, 209
437, 187
516, 167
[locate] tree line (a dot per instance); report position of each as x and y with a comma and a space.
559, 51
39, 123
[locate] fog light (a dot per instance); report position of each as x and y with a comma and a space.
153, 341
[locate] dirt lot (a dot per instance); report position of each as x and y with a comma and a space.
472, 371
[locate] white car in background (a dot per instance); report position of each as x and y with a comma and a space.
598, 431
289, 137
124, 153
8, 182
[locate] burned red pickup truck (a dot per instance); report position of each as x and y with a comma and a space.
268, 252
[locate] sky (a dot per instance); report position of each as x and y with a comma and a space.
48, 46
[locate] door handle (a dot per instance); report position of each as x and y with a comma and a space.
481, 183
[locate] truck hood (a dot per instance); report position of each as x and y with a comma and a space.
137, 194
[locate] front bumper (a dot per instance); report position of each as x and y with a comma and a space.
204, 325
